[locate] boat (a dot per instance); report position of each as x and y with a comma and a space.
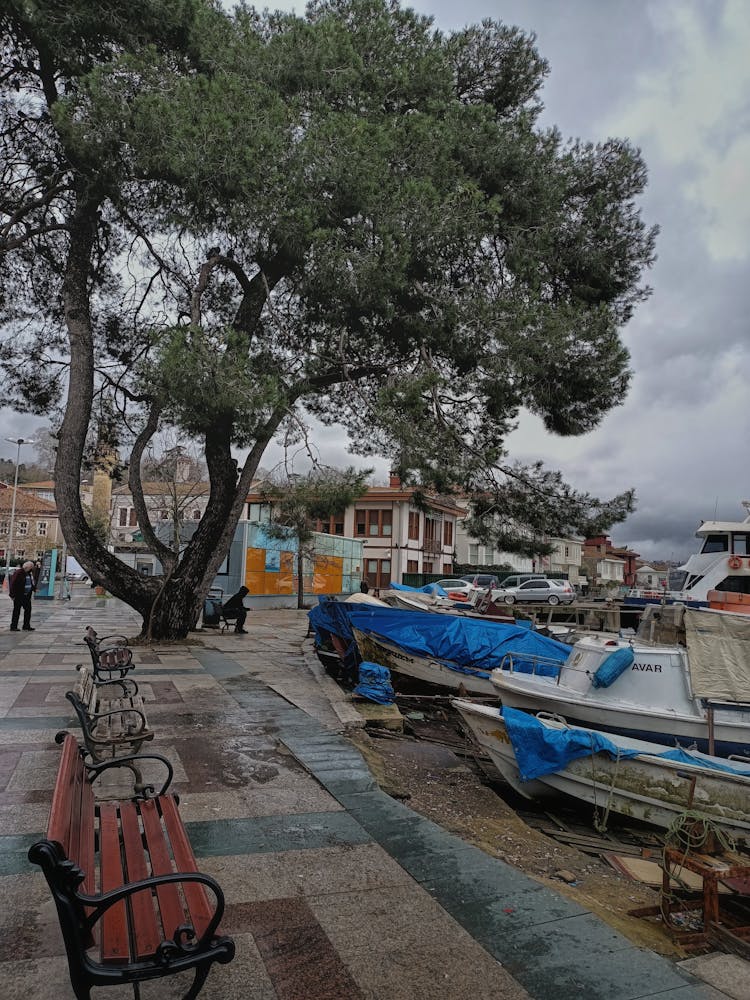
476, 606
664, 693
452, 652
721, 564
539, 756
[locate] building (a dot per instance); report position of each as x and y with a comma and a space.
36, 526
398, 535
566, 558
603, 568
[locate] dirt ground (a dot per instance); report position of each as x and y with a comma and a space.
452, 791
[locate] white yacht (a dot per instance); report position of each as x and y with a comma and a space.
722, 564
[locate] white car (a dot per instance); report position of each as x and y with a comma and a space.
539, 591
455, 586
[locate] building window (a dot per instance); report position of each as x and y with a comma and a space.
4, 527
22, 528
333, 526
447, 567
196, 515
567, 551
41, 528
414, 524
474, 554
448, 533
373, 523
163, 514
127, 517
427, 567
412, 566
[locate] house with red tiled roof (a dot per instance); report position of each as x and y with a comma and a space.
36, 526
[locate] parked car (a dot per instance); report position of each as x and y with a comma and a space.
518, 579
541, 591
455, 586
482, 581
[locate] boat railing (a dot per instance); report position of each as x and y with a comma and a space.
546, 665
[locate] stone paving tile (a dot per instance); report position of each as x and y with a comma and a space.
266, 834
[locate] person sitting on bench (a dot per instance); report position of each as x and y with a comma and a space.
235, 609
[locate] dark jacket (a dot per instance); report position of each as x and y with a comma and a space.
17, 585
236, 602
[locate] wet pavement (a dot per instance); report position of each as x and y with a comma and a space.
334, 890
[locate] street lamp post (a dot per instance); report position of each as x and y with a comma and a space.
17, 442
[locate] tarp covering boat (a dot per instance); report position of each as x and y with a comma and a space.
719, 653
429, 588
541, 750
473, 642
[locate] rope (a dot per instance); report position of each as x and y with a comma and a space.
688, 832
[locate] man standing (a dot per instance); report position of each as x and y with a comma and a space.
20, 590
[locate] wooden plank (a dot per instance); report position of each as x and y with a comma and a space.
170, 901
58, 826
143, 918
115, 942
196, 895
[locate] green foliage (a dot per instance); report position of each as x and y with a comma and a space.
221, 218
298, 501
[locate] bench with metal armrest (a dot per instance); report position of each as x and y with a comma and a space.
111, 715
110, 654
131, 902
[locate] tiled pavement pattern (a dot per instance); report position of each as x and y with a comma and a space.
334, 890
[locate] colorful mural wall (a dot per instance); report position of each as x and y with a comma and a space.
271, 564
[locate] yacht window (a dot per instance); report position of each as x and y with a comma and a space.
677, 578
716, 543
735, 585
741, 545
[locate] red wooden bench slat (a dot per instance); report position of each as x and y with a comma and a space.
86, 847
195, 894
115, 943
61, 810
144, 923
170, 903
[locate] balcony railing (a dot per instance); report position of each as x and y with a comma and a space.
432, 547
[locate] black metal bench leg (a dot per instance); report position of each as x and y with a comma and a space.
201, 972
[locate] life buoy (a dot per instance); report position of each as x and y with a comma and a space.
734, 562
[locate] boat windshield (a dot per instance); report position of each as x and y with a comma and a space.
716, 543
677, 578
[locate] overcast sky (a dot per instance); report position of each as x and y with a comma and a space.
674, 77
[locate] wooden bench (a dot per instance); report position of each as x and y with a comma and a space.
110, 654
111, 714
131, 903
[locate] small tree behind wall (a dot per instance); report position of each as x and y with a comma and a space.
297, 501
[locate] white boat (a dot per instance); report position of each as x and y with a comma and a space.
666, 694
646, 785
477, 606
453, 652
721, 564
430, 670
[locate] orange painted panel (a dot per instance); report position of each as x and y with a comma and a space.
328, 574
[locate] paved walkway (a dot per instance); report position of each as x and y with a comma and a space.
335, 891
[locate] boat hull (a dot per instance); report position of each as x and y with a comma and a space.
643, 787
427, 669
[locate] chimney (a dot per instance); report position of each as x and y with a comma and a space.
395, 481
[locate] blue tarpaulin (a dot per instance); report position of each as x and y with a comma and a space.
375, 683
541, 750
430, 588
469, 642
